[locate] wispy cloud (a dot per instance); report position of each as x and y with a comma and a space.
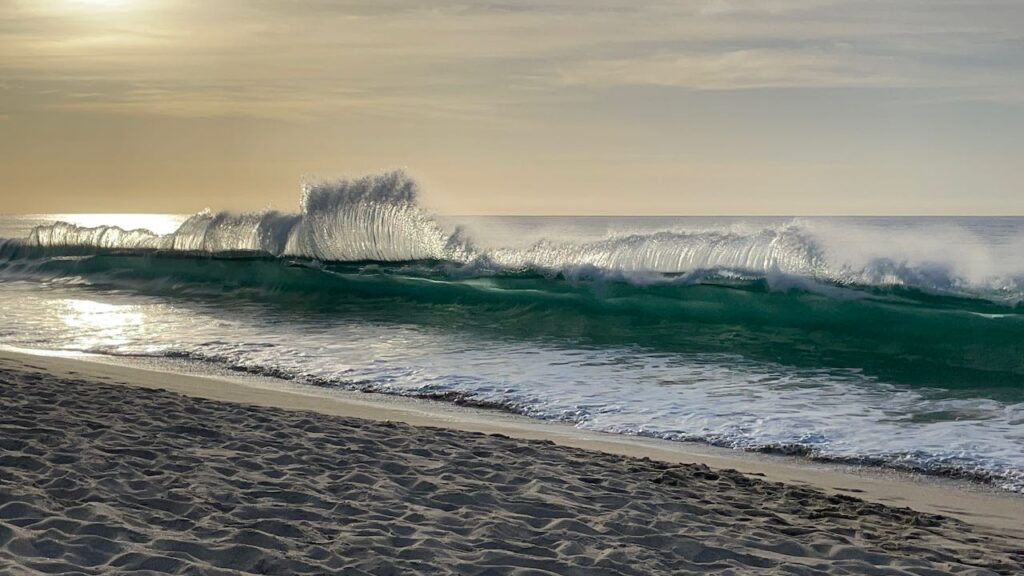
728, 70
280, 59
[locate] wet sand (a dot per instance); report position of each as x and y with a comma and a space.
102, 472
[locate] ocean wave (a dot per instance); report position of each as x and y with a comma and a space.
900, 335
379, 218
371, 218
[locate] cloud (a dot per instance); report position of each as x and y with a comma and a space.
728, 70
275, 58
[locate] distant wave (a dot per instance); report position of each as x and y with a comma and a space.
378, 218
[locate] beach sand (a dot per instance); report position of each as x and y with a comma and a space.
101, 472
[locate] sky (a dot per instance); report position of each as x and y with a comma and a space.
796, 107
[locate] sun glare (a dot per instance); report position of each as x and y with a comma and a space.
156, 223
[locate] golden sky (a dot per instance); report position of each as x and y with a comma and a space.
531, 107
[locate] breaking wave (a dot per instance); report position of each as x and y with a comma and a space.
379, 218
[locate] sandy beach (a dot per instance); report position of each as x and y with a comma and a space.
625, 287
101, 476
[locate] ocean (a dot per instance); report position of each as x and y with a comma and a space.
892, 342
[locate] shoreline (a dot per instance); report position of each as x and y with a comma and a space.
99, 477
983, 507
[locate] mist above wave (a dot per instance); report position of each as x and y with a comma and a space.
379, 218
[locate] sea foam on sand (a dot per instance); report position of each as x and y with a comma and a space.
98, 478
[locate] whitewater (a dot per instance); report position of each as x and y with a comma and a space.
891, 342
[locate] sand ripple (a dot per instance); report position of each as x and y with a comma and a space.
98, 478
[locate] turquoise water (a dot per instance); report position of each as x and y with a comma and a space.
888, 341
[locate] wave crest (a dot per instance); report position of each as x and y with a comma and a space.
788, 250
64, 235
371, 218
379, 218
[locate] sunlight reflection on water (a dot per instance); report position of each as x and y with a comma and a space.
95, 324
157, 223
